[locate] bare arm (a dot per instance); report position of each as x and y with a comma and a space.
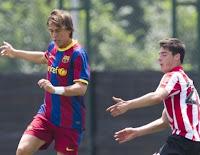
77, 89
131, 133
33, 56
149, 99
155, 126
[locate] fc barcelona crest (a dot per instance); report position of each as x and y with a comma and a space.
65, 59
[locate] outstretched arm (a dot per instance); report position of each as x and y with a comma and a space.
34, 56
130, 133
149, 99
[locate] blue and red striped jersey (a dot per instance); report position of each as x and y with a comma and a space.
65, 67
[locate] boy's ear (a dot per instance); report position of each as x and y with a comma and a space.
177, 56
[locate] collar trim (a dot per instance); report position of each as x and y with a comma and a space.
69, 46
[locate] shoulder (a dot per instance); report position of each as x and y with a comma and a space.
170, 77
79, 51
51, 46
173, 74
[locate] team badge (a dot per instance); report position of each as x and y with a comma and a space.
62, 72
65, 59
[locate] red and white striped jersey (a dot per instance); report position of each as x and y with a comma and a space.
182, 104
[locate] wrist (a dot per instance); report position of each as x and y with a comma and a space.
59, 90
15, 53
128, 105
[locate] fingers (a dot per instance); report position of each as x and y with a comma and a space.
3, 52
40, 82
46, 85
120, 133
120, 136
114, 110
125, 135
3, 49
43, 83
119, 108
6, 43
120, 141
115, 99
109, 109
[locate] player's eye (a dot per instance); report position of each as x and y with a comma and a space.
50, 31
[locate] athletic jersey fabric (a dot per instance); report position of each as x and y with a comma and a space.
65, 67
182, 104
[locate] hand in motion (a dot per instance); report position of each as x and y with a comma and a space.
126, 134
46, 85
119, 108
7, 50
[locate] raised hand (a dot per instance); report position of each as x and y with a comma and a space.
7, 50
118, 108
126, 134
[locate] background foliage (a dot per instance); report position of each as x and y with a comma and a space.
125, 34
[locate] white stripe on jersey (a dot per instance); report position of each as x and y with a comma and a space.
174, 79
173, 111
183, 106
171, 83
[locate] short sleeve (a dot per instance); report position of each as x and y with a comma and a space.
171, 83
81, 66
50, 47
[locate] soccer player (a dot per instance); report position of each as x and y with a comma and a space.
181, 105
61, 118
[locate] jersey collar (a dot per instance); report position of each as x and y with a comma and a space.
177, 68
69, 46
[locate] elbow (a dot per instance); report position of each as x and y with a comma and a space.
82, 90
165, 124
165, 119
157, 97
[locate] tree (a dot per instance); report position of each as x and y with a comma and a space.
113, 47
24, 26
124, 34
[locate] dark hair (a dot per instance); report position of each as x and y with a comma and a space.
175, 46
61, 19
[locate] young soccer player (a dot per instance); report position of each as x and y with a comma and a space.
181, 105
61, 118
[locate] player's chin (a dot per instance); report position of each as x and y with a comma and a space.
60, 44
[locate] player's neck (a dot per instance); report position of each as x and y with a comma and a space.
68, 42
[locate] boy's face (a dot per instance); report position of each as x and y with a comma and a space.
168, 61
60, 36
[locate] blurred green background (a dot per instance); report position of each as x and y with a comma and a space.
123, 35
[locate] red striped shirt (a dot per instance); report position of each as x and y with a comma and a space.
182, 104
